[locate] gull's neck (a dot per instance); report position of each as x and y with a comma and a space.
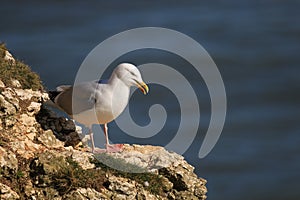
115, 81
118, 85
120, 94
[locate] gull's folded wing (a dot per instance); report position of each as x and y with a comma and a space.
83, 99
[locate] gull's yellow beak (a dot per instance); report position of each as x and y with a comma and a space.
143, 87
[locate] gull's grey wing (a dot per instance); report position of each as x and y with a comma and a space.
84, 97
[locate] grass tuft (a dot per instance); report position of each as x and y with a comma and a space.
73, 176
17, 71
140, 176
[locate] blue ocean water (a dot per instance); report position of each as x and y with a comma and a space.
255, 45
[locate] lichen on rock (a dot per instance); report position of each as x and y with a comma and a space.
43, 157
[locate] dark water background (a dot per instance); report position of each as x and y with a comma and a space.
255, 44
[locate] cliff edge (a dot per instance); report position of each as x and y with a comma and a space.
43, 157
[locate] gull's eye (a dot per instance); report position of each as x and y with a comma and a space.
133, 74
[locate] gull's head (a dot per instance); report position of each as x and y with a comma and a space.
131, 76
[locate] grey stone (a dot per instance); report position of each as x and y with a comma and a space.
6, 108
83, 194
83, 159
8, 161
33, 108
149, 157
2, 85
27, 120
11, 97
7, 193
15, 83
49, 162
122, 186
49, 140
9, 57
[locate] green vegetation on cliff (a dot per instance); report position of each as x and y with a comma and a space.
17, 70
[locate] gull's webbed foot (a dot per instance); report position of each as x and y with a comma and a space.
98, 150
113, 148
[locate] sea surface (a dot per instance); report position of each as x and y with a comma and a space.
255, 45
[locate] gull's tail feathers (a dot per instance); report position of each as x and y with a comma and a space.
62, 88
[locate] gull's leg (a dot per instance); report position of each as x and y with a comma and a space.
92, 139
105, 129
111, 147
94, 149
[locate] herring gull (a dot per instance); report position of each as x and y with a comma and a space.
100, 102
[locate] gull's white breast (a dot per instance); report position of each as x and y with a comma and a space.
110, 102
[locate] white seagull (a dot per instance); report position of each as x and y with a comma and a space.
100, 102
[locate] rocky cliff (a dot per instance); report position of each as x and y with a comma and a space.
43, 157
